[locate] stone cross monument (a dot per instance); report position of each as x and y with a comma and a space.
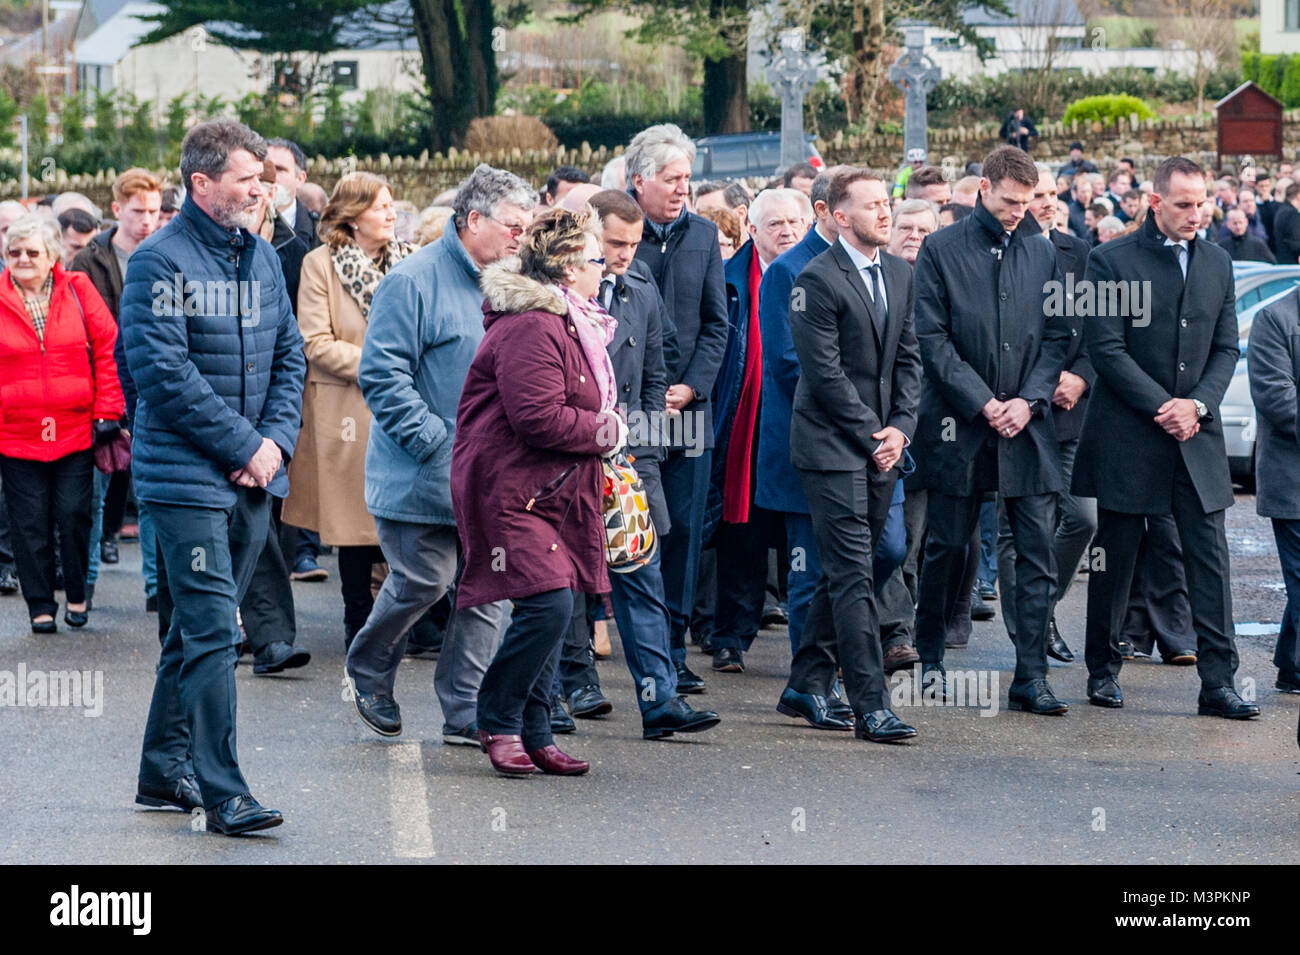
791, 74
915, 74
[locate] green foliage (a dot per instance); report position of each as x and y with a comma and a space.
991, 98
1290, 91
1107, 109
8, 116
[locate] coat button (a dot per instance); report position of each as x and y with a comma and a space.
1182, 366
572, 329
250, 366
1003, 296
882, 382
582, 378
632, 342
627, 388
1183, 323
1074, 332
1006, 346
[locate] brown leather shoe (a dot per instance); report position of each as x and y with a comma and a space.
900, 657
553, 762
507, 754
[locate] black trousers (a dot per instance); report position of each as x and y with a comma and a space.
42, 496
849, 511
1205, 562
1159, 612
515, 696
119, 485
356, 564
577, 654
945, 577
742, 557
6, 546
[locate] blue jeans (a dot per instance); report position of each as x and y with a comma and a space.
686, 487
148, 552
641, 612
210, 562
1287, 655
96, 523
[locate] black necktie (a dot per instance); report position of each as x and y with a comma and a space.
877, 298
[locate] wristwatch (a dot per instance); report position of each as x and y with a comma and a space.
1201, 411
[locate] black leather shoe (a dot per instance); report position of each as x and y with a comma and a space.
45, 626
380, 713
151, 604
688, 681
1180, 658
1286, 685
108, 551
1035, 696
240, 814
588, 703
812, 708
706, 644
979, 610
776, 617
181, 794
837, 705
676, 716
1224, 701
882, 726
1056, 648
8, 582
986, 590
934, 675
561, 721
76, 618
1105, 692
278, 656
728, 660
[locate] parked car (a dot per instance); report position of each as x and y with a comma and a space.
1237, 411
744, 156
1256, 281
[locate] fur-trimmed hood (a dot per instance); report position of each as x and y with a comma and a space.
509, 293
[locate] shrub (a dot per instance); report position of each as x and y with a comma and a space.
1290, 91
1107, 108
489, 134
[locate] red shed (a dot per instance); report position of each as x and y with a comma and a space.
1250, 123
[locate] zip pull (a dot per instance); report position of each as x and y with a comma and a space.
529, 505
663, 249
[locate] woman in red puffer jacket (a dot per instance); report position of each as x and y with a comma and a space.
59, 395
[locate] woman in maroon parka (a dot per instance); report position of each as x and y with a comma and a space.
536, 415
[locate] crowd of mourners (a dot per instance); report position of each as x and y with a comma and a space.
844, 399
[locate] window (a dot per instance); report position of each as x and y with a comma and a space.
1292, 15
345, 73
729, 159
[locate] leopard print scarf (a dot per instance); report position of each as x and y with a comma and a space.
360, 274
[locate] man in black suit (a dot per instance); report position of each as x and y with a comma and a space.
1286, 226
1152, 440
1076, 517
993, 348
854, 412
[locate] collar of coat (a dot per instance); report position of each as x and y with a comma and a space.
661, 233
1151, 235
510, 293
207, 231
988, 222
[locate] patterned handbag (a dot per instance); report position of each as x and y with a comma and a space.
630, 538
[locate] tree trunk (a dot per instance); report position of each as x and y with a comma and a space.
726, 97
454, 92
867, 38
480, 20
726, 87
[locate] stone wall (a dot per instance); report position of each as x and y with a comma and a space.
421, 178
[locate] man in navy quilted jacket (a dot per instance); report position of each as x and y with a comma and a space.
214, 350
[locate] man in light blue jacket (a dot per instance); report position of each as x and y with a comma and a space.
425, 325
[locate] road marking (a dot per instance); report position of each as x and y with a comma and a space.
409, 803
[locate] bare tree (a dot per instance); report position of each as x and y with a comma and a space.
1206, 29
1040, 27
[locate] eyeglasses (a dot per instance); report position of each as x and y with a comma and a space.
514, 229
32, 254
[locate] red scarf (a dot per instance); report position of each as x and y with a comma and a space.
738, 478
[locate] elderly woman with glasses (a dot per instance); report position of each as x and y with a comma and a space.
536, 415
59, 395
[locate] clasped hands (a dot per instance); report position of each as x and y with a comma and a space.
261, 467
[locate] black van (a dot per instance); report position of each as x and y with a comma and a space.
744, 155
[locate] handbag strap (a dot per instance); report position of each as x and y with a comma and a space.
90, 351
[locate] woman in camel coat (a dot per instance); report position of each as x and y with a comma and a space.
328, 473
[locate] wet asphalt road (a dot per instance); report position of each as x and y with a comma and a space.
1151, 783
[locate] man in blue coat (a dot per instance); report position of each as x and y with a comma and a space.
214, 350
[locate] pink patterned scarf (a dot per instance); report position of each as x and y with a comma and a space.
595, 331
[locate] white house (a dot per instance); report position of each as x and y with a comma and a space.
1040, 34
1279, 26
108, 58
